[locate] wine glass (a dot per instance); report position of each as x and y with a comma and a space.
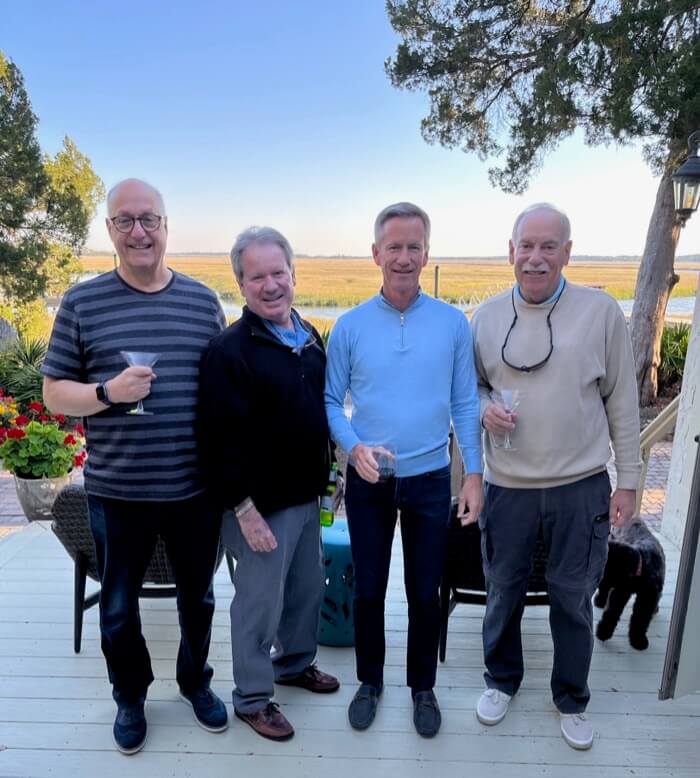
140, 359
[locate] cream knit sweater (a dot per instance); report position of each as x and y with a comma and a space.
573, 408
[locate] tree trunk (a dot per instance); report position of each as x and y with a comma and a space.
655, 280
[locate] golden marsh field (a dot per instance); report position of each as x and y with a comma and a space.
346, 282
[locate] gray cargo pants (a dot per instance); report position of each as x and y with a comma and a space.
575, 524
277, 598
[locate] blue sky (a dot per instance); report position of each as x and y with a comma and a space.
280, 113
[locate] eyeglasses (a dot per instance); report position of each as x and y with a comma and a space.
149, 222
541, 363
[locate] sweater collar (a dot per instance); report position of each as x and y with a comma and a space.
417, 301
545, 303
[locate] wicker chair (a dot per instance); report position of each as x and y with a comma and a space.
463, 576
72, 527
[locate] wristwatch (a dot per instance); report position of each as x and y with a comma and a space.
101, 392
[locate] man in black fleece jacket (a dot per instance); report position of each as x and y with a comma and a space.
265, 445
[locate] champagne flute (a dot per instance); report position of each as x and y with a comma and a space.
140, 359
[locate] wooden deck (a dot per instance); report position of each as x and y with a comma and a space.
56, 712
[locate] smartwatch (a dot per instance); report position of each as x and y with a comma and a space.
101, 392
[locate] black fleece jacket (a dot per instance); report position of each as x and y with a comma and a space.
262, 427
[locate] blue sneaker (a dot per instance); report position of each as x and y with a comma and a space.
130, 727
209, 711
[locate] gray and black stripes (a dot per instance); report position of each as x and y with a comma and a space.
138, 457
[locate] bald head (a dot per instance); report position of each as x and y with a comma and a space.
134, 185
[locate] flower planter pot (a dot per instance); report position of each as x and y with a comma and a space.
37, 495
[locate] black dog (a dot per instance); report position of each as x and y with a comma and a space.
636, 565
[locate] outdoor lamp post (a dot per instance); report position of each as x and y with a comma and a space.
681, 673
686, 182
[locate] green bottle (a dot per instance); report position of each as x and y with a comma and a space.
326, 511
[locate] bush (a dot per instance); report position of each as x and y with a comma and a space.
674, 347
19, 370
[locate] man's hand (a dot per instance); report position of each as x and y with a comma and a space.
471, 499
257, 531
362, 458
132, 384
498, 420
622, 505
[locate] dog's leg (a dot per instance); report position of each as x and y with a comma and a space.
611, 615
645, 606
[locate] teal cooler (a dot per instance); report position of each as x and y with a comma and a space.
335, 626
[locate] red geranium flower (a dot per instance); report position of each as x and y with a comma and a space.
21, 420
69, 440
2, 392
60, 418
43, 419
78, 459
16, 434
36, 406
3, 433
80, 429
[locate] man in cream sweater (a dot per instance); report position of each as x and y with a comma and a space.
563, 352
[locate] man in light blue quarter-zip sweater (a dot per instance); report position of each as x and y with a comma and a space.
407, 361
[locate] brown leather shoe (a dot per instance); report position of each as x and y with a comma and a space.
313, 680
268, 722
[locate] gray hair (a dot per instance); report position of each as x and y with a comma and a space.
565, 223
401, 211
256, 236
115, 189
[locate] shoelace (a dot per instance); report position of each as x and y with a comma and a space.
495, 695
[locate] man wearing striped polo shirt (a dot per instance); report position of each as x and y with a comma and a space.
142, 474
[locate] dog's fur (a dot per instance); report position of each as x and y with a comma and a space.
636, 565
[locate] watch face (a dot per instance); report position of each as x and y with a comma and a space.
101, 394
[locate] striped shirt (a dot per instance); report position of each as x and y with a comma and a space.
150, 457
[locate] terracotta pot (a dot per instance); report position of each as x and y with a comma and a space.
37, 495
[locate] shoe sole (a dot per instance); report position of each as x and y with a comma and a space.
576, 744
276, 738
130, 751
208, 728
490, 722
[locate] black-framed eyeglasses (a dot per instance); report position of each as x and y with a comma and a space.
149, 221
542, 362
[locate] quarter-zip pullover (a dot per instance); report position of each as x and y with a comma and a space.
408, 373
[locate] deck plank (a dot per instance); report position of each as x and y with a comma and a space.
56, 711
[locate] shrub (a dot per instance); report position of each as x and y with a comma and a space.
20, 370
674, 347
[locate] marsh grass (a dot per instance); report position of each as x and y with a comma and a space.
346, 282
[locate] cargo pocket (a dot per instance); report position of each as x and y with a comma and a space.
598, 552
486, 547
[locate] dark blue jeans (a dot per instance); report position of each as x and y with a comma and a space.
424, 502
125, 534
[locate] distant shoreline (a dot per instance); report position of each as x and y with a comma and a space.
622, 258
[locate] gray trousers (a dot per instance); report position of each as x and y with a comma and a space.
277, 598
575, 523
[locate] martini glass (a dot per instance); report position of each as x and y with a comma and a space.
140, 359
510, 398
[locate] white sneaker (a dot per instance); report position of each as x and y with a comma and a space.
577, 730
492, 706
